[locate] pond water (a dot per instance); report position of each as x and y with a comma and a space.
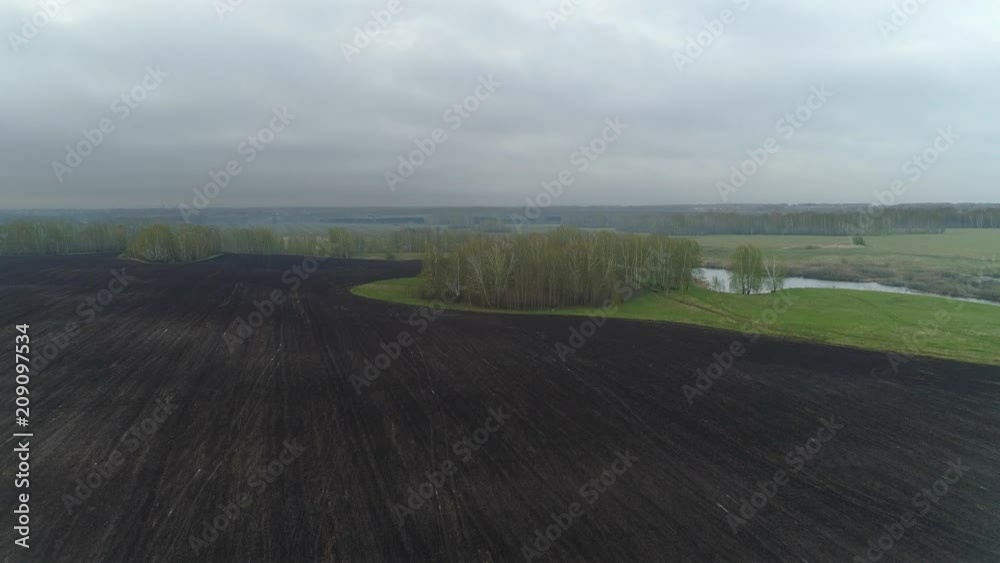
806, 283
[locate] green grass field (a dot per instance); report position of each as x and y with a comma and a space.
964, 243
944, 263
908, 324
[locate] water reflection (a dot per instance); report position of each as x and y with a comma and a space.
718, 280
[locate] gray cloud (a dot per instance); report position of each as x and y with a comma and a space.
609, 58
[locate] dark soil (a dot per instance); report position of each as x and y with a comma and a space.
362, 452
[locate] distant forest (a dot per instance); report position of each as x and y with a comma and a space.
186, 243
874, 221
691, 221
393, 230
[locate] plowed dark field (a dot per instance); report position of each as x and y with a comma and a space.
480, 414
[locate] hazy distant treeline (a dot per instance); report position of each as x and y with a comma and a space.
750, 219
57, 237
184, 243
564, 267
187, 243
350, 243
870, 221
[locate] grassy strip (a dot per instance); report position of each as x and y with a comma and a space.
941, 328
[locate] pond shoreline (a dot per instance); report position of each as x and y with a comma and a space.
800, 282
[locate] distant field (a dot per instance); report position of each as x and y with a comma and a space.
909, 324
965, 243
945, 263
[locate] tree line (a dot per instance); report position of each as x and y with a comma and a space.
348, 243
59, 237
560, 268
185, 243
872, 220
681, 220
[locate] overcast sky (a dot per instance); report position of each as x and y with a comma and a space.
688, 120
